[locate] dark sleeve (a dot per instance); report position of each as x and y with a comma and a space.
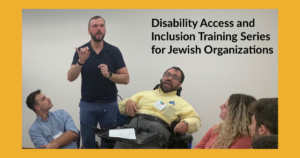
75, 58
119, 61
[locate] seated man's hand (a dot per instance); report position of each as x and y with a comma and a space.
49, 146
181, 127
131, 107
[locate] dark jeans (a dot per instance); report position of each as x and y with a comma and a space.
90, 115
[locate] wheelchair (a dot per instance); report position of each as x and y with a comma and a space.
144, 136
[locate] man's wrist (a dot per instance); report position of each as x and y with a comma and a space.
80, 62
184, 121
109, 75
127, 100
54, 145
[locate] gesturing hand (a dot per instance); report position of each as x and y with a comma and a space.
131, 107
104, 70
83, 54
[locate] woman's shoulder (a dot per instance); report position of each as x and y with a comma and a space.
243, 142
213, 127
245, 138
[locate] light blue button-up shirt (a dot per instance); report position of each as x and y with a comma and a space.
42, 132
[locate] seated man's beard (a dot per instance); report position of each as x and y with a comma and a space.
174, 88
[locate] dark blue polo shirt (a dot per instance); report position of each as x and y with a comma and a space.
95, 87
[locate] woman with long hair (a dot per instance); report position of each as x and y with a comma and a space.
233, 131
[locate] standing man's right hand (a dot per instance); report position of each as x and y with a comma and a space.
83, 54
131, 107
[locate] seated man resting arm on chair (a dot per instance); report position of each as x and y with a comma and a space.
154, 110
51, 130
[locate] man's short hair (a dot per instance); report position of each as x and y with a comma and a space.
31, 101
265, 112
266, 142
95, 17
178, 69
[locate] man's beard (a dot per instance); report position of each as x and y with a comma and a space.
174, 88
98, 39
255, 135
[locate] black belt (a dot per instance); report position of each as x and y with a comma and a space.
99, 103
152, 118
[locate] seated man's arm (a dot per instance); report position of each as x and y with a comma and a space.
129, 106
37, 138
189, 115
68, 121
62, 140
70, 134
69, 124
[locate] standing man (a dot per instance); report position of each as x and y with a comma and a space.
101, 66
50, 130
264, 118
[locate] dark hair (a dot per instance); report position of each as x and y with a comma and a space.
30, 101
178, 69
265, 112
266, 142
95, 17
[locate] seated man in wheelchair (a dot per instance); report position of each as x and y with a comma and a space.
154, 111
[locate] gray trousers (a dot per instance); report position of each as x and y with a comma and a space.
145, 124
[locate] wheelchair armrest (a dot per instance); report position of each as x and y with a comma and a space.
180, 141
180, 138
95, 129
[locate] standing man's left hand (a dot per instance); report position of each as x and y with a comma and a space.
104, 70
181, 127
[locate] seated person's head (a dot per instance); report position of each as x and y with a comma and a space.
266, 142
172, 80
264, 118
38, 102
235, 113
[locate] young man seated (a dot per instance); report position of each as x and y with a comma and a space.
51, 130
264, 118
